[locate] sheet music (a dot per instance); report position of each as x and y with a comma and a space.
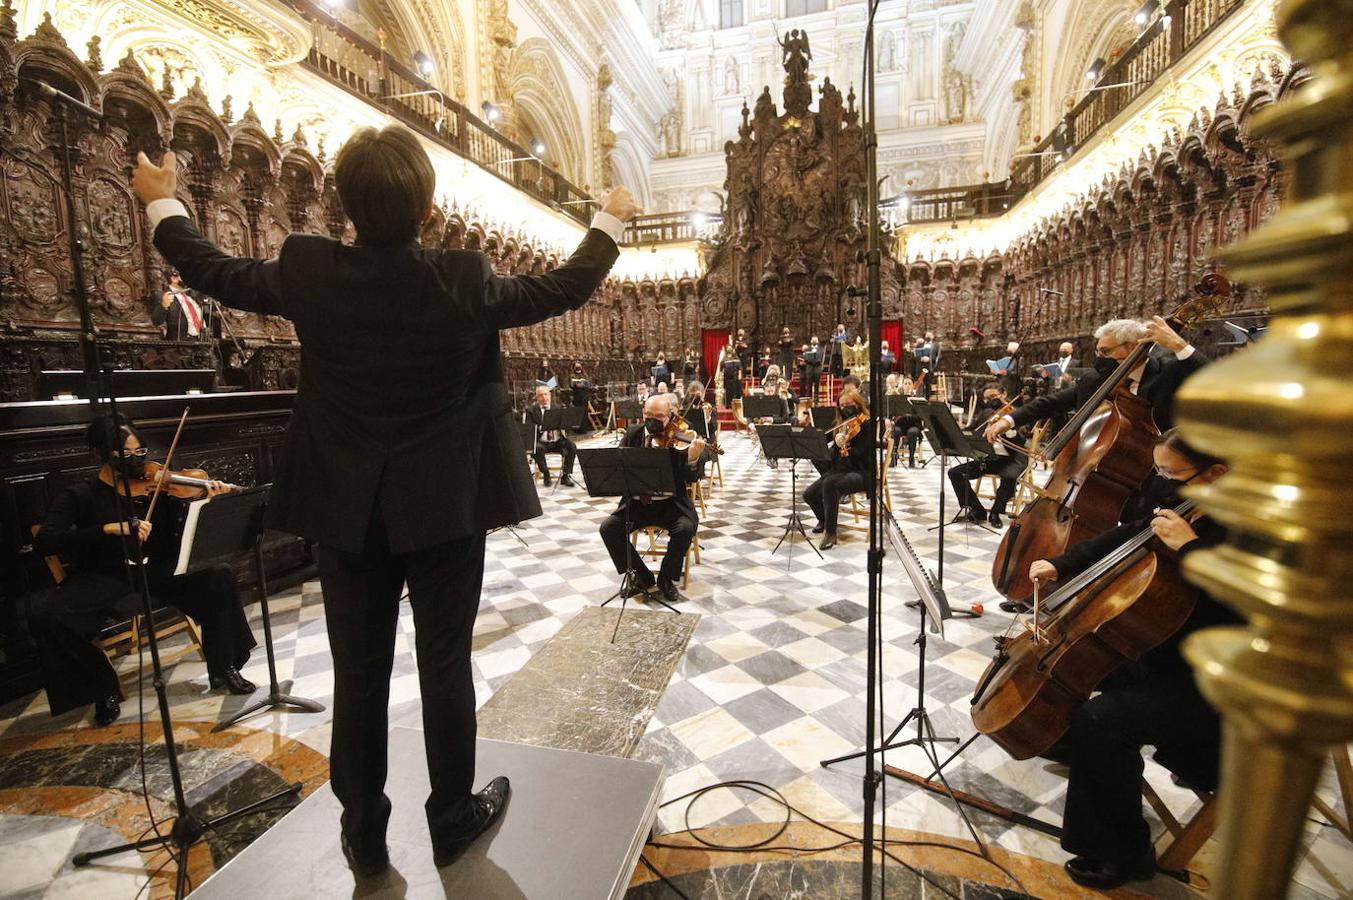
189, 533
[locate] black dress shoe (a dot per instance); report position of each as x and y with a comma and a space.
819, 528
828, 542
1104, 875
233, 681
1015, 606
971, 514
488, 806
566, 480
547, 481
106, 711
367, 863
668, 591
995, 520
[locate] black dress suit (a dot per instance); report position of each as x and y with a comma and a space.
677, 514
401, 454
560, 444
1160, 382
1008, 467
1153, 701
175, 320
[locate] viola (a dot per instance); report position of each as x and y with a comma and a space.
677, 435
1100, 457
1126, 604
850, 428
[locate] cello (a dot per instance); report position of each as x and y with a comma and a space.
1099, 458
1124, 605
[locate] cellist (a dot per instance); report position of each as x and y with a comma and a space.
1152, 701
1156, 380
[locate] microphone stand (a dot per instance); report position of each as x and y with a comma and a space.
188, 827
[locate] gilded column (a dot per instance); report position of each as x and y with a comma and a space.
1282, 414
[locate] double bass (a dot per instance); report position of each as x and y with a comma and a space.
1099, 458
1124, 605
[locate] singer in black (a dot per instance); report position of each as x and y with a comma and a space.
848, 469
1008, 463
401, 453
1154, 701
85, 527
550, 441
180, 311
1156, 380
787, 352
581, 394
810, 376
676, 513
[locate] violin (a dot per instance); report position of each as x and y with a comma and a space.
850, 428
677, 435
186, 484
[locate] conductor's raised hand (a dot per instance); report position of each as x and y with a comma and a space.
620, 203
151, 182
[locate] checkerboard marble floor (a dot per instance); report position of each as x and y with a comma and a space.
773, 680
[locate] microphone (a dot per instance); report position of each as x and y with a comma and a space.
62, 97
1051, 291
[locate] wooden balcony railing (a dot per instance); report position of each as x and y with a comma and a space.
1155, 50
347, 59
671, 227
953, 204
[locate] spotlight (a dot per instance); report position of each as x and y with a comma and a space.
1148, 9
698, 219
490, 111
538, 148
1096, 68
423, 63
335, 5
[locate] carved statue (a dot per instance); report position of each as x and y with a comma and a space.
503, 33
955, 96
888, 52
795, 56
732, 82
671, 133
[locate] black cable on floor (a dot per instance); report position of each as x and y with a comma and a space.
663, 878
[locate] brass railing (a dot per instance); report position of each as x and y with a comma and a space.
350, 61
1155, 50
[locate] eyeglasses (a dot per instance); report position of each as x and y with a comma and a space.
1105, 351
1174, 474
137, 453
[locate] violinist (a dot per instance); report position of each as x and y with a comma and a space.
550, 441
742, 349
694, 409
1156, 379
1007, 463
676, 513
86, 525
1153, 701
847, 471
907, 427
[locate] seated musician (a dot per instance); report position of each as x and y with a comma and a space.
1007, 463
641, 392
846, 472
86, 524
774, 385
693, 401
1152, 701
907, 427
550, 441
676, 513
1156, 380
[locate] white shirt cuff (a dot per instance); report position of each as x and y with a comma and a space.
165, 208
1185, 353
610, 226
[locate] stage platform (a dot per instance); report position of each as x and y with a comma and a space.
574, 828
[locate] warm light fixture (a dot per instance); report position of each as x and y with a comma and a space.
698, 219
538, 147
1148, 9
1096, 68
423, 63
491, 113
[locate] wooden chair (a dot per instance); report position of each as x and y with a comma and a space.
740, 422
1023, 493
855, 508
656, 550
127, 637
594, 417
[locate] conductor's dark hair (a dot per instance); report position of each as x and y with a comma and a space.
385, 182
1197, 458
106, 434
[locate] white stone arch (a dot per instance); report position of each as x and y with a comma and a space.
1094, 29
540, 96
627, 162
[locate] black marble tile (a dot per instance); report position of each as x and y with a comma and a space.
771, 667
845, 610
762, 711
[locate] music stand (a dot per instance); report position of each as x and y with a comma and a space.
218, 530
763, 407
823, 417
947, 439
561, 418
628, 472
896, 405
794, 444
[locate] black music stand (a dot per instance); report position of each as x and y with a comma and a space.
561, 418
823, 417
628, 472
219, 530
629, 410
895, 405
794, 444
763, 407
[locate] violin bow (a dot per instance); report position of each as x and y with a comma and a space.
168, 460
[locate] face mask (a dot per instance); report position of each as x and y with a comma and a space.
131, 466
850, 412
1105, 366
993, 403
654, 426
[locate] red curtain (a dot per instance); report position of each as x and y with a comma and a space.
711, 342
892, 333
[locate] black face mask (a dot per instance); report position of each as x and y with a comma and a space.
850, 412
1105, 365
654, 426
130, 466
994, 403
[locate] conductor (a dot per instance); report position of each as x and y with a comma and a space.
401, 452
